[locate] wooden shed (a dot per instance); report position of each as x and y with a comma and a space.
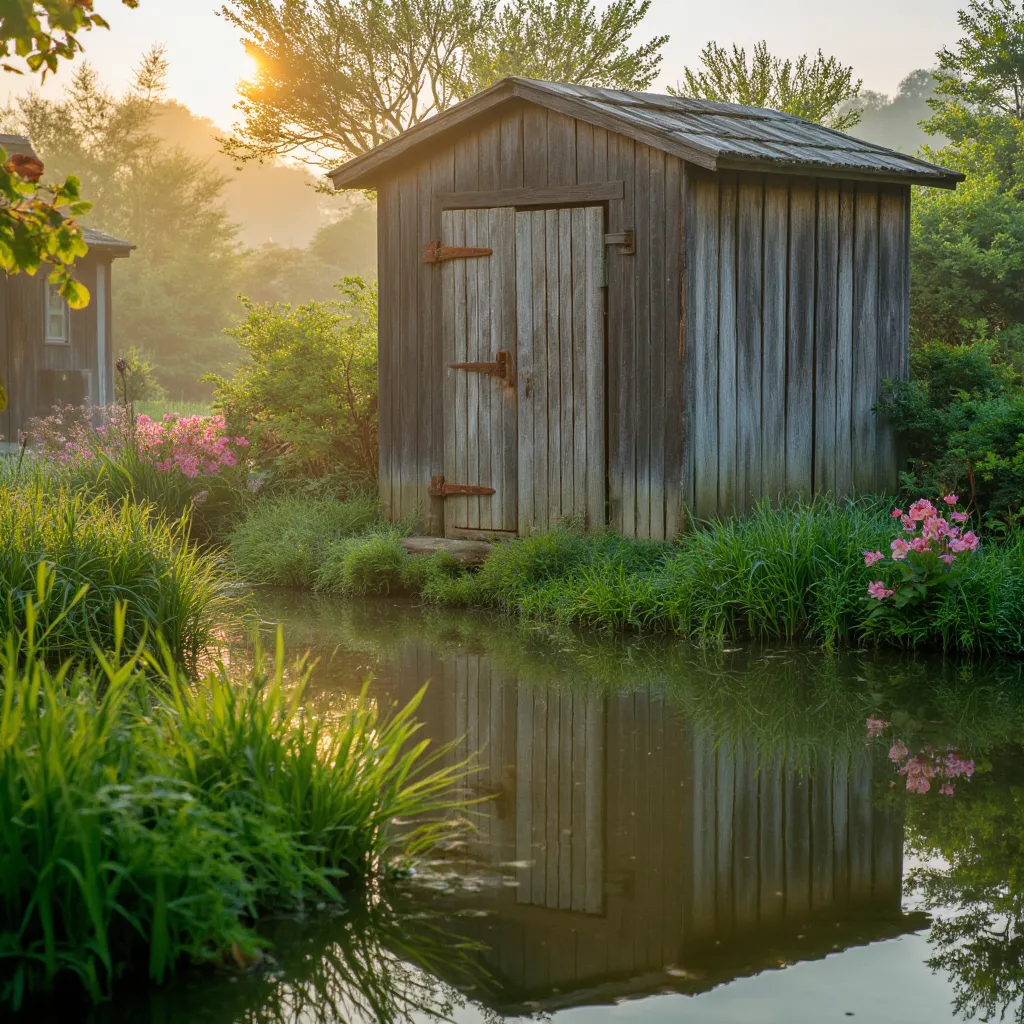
50, 354
620, 306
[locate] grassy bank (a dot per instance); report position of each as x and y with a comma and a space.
796, 573
146, 821
101, 555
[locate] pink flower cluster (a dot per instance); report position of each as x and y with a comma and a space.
938, 537
942, 765
191, 445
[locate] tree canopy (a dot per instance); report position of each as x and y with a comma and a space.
337, 77
817, 88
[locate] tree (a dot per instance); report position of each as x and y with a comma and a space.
41, 33
177, 292
896, 121
819, 89
337, 77
566, 41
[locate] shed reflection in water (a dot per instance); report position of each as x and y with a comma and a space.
654, 819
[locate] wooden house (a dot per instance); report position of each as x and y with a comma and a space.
50, 354
619, 306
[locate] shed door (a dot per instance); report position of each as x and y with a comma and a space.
480, 402
525, 366
561, 366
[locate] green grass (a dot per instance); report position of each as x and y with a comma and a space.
283, 540
156, 410
146, 821
102, 555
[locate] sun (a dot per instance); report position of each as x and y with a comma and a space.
250, 67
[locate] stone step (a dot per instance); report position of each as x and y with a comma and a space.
468, 552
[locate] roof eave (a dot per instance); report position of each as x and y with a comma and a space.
948, 180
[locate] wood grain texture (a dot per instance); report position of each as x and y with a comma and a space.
642, 411
661, 334
678, 481
525, 369
749, 270
826, 338
844, 343
728, 410
774, 355
800, 341
865, 339
596, 459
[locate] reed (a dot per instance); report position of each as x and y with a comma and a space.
146, 820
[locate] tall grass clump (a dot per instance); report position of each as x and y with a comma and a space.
283, 540
146, 821
107, 554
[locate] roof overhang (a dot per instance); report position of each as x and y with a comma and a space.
369, 169
100, 242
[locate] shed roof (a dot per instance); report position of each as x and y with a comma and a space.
717, 136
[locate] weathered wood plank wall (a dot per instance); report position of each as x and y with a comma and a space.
745, 337
797, 296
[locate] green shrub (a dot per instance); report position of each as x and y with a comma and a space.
306, 394
113, 553
138, 378
145, 821
961, 416
283, 540
363, 566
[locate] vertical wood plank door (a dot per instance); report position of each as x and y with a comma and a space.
480, 415
560, 313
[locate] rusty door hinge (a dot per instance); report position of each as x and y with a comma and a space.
623, 238
499, 368
435, 252
439, 489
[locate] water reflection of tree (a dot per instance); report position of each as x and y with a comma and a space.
978, 938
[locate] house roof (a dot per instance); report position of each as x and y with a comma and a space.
717, 136
12, 144
96, 239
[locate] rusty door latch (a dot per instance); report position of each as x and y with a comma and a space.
437, 252
624, 238
499, 368
439, 489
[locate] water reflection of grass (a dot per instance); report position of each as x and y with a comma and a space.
792, 700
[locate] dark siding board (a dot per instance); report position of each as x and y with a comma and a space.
539, 389
535, 150
891, 261
489, 158
865, 338
561, 144
727, 326
429, 390
800, 341
687, 334
702, 323
773, 381
412, 488
622, 299
567, 362
512, 150
387, 342
826, 326
844, 343
443, 180
525, 369
676, 493
642, 356
554, 370
750, 252
661, 335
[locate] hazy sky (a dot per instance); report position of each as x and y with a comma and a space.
882, 39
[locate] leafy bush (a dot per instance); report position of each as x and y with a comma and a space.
102, 555
306, 394
135, 380
145, 821
283, 540
962, 417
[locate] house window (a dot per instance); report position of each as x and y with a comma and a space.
58, 319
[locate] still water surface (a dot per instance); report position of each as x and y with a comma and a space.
668, 834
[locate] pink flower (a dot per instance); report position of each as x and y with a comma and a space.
948, 559
908, 524
899, 548
919, 544
898, 751
876, 726
921, 509
878, 591
870, 557
960, 517
951, 499
946, 789
918, 784
897, 513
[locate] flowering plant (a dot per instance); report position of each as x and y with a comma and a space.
930, 764
192, 446
929, 553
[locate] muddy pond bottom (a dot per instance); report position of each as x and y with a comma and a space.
663, 834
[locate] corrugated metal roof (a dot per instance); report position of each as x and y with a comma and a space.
712, 135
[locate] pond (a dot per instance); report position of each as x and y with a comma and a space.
663, 833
